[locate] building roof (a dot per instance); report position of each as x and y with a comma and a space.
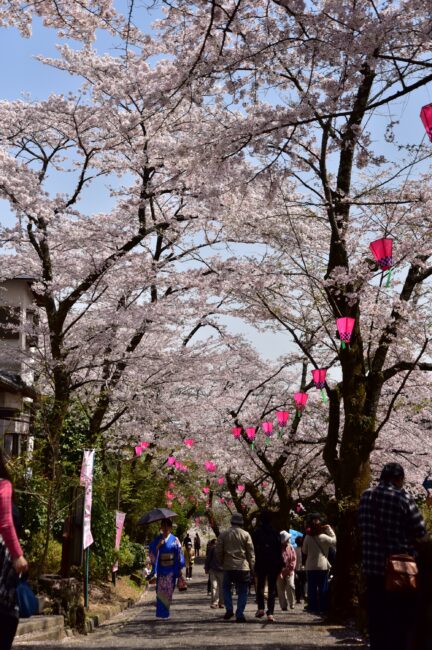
13, 383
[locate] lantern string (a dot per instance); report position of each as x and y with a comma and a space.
324, 396
267, 441
343, 346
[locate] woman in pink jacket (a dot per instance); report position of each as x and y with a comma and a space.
12, 562
285, 581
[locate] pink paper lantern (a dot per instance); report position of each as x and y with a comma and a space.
170, 495
319, 377
171, 484
250, 432
240, 488
426, 118
382, 250
171, 461
178, 465
300, 399
206, 490
189, 442
138, 450
267, 428
319, 380
282, 417
345, 328
221, 500
210, 467
221, 480
236, 431
145, 445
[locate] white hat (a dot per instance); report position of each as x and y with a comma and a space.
285, 537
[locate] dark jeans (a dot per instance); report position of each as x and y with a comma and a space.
299, 584
188, 572
241, 581
8, 626
317, 582
271, 576
390, 616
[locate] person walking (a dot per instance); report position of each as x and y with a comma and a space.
167, 559
197, 545
300, 573
285, 580
186, 540
316, 546
268, 563
235, 554
390, 523
189, 557
12, 562
215, 573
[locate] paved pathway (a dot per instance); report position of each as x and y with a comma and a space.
193, 624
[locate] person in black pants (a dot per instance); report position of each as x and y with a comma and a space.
268, 563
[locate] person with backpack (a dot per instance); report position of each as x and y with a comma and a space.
268, 563
316, 545
391, 524
285, 580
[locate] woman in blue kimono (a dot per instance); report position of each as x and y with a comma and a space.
167, 559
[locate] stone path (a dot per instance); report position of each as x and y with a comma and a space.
193, 624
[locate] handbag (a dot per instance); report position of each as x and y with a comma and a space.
27, 602
401, 574
181, 583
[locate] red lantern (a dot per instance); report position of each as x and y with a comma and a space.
426, 118
300, 399
250, 432
138, 450
382, 250
319, 379
267, 428
345, 328
236, 431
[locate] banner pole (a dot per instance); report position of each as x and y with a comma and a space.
86, 577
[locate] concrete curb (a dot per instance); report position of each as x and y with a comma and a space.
92, 621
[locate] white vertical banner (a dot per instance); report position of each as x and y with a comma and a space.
86, 479
120, 517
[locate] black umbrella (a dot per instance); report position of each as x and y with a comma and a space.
156, 515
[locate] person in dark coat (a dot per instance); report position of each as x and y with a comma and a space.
268, 563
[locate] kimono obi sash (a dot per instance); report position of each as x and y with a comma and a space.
166, 559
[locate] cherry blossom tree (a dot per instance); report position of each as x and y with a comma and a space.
300, 86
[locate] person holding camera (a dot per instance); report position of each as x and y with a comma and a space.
318, 540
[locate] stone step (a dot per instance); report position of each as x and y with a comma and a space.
41, 628
41, 637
